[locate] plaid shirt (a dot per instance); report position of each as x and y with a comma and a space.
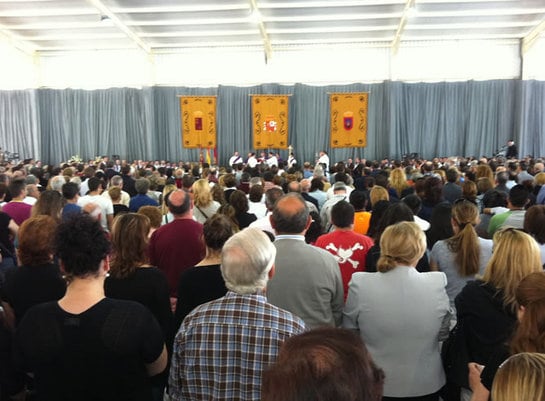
223, 347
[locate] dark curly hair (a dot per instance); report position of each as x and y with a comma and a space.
81, 245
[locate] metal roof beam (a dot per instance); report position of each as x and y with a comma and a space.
21, 45
529, 40
117, 22
263, 31
409, 6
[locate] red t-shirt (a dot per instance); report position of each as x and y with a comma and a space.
349, 249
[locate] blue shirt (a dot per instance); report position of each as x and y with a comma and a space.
223, 347
140, 200
70, 209
541, 196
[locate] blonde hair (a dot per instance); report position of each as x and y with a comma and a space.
520, 378
398, 181
202, 195
378, 193
539, 178
166, 190
441, 173
516, 254
115, 193
178, 173
401, 244
465, 244
484, 170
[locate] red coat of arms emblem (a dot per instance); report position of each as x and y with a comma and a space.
348, 120
270, 124
198, 120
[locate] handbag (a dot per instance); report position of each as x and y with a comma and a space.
455, 357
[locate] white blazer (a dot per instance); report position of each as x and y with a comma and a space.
401, 316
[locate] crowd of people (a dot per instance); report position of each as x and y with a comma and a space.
268, 280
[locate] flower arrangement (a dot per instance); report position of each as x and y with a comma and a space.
75, 159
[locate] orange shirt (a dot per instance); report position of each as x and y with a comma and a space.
361, 222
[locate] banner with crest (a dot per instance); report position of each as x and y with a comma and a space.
348, 119
198, 121
270, 121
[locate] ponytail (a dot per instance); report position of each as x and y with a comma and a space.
465, 244
466, 247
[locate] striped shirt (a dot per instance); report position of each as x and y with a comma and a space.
223, 347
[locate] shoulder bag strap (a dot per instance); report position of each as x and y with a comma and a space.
203, 213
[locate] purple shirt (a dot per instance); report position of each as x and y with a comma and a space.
18, 211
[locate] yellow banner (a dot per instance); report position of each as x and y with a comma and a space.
270, 121
198, 121
348, 119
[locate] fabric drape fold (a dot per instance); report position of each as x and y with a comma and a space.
470, 118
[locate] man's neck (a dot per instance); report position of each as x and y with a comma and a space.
292, 234
185, 216
351, 228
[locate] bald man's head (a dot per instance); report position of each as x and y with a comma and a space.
294, 186
305, 185
179, 202
290, 215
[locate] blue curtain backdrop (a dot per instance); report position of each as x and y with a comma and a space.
432, 119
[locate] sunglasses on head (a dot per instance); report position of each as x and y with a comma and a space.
462, 200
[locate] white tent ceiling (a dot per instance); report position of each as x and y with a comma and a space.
162, 26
